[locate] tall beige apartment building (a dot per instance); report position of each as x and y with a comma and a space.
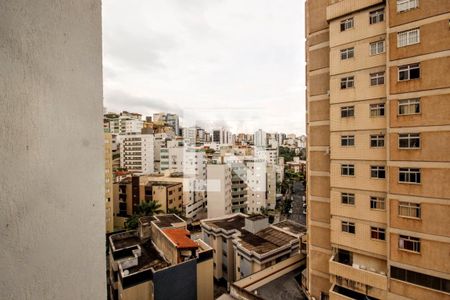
378, 122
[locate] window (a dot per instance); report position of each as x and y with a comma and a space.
378, 233
409, 106
377, 140
377, 78
347, 82
409, 72
377, 172
405, 5
421, 279
377, 203
347, 140
409, 140
409, 243
346, 24
376, 48
348, 227
347, 111
409, 37
347, 53
377, 110
376, 16
348, 198
408, 209
348, 170
409, 175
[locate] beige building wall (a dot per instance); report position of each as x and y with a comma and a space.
205, 283
431, 195
142, 291
169, 196
366, 251
318, 142
327, 186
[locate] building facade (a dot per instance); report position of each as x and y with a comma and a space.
137, 153
109, 210
377, 123
218, 190
260, 138
159, 260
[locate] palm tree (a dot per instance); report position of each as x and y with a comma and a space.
148, 208
174, 210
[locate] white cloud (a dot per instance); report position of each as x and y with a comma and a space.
225, 61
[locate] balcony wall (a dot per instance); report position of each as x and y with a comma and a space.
362, 276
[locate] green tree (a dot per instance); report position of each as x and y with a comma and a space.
148, 208
175, 211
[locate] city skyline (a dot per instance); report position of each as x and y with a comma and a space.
208, 127
218, 64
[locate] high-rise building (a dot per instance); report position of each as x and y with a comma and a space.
238, 182
109, 212
168, 119
219, 190
257, 185
378, 138
173, 121
137, 153
260, 138
221, 136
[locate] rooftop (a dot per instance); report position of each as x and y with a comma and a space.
167, 220
256, 217
124, 240
163, 183
233, 222
265, 240
150, 258
291, 226
180, 237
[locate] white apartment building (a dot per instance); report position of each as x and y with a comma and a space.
219, 190
270, 155
221, 136
128, 125
137, 152
171, 156
191, 163
238, 182
260, 138
256, 182
190, 135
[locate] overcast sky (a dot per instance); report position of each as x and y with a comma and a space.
234, 63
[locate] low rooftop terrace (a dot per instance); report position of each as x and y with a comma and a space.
168, 220
233, 222
265, 240
291, 226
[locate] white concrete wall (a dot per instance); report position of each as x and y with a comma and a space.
52, 213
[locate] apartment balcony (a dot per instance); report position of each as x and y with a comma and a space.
340, 293
358, 273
